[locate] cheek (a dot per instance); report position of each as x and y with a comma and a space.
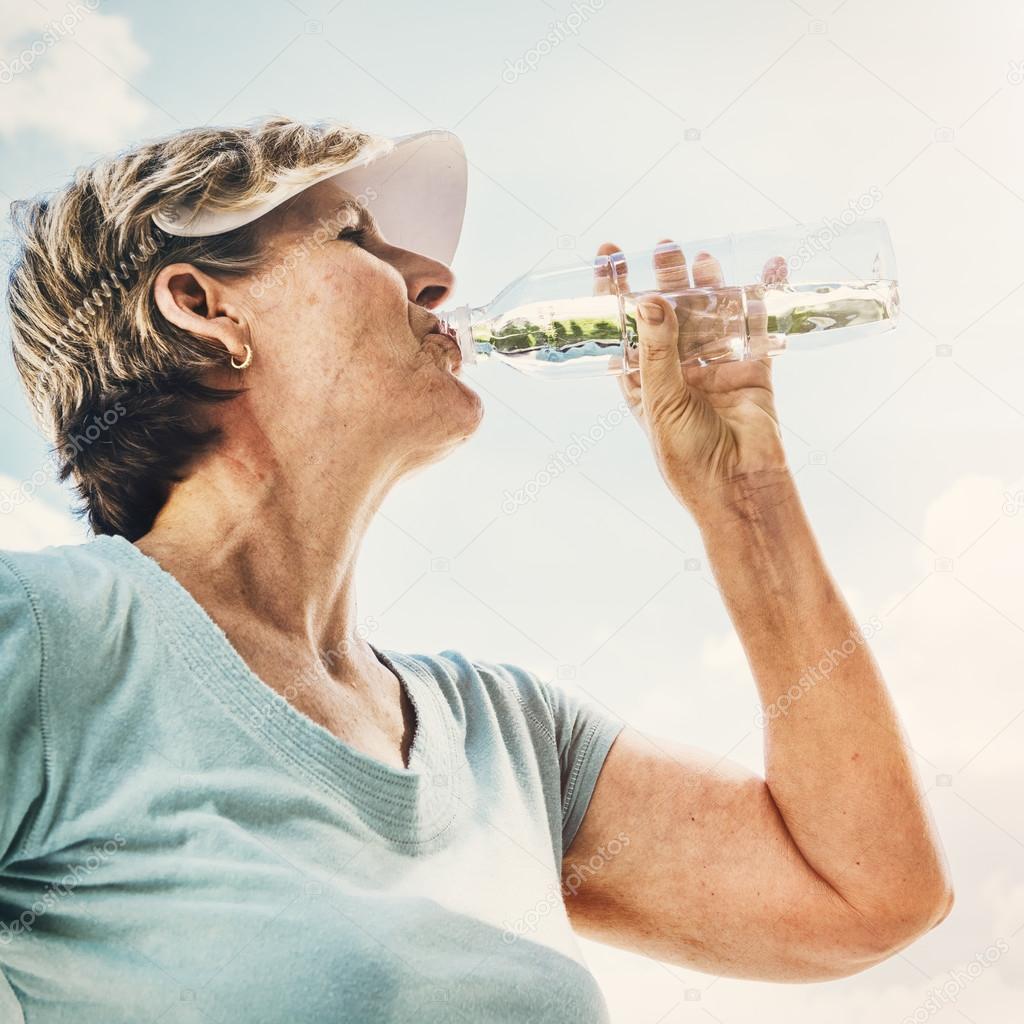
343, 323
365, 310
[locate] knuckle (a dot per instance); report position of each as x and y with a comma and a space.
660, 351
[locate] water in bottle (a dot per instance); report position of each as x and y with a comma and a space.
790, 288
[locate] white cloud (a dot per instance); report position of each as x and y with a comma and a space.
29, 521
952, 648
64, 71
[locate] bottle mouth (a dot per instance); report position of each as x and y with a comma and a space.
456, 324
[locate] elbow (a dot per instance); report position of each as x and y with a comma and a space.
927, 911
885, 932
936, 909
944, 904
857, 938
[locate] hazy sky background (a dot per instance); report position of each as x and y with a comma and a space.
687, 120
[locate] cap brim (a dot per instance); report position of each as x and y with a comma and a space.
414, 186
416, 193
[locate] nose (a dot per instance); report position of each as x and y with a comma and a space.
428, 282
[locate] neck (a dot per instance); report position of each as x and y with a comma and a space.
273, 549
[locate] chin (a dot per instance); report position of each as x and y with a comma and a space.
438, 406
447, 431
465, 410
457, 411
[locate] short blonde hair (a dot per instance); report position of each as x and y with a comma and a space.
115, 385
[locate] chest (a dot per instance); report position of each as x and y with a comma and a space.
286, 914
370, 711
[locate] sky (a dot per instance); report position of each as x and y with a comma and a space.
647, 120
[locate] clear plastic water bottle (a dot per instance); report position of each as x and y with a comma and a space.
737, 297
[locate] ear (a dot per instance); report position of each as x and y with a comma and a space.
200, 304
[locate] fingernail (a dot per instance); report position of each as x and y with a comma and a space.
668, 256
652, 312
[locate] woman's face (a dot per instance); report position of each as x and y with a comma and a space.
340, 324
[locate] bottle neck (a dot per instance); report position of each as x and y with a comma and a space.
460, 322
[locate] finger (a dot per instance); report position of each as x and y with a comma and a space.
672, 277
774, 275
611, 273
670, 272
661, 374
757, 314
629, 385
707, 271
706, 318
602, 270
776, 271
620, 271
632, 372
629, 380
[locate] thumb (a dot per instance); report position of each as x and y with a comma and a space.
661, 373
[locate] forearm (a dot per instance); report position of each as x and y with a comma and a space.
836, 761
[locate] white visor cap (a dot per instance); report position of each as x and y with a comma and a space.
413, 185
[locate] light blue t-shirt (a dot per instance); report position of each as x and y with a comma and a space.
179, 844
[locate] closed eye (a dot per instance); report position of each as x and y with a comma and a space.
357, 235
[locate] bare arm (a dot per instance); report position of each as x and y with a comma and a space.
829, 863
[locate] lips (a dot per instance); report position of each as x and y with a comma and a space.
444, 330
439, 330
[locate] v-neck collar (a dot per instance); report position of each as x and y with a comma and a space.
409, 806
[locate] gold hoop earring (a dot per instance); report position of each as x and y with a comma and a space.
244, 364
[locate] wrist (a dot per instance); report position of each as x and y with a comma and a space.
748, 499
764, 555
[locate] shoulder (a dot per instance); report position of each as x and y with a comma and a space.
58, 564
473, 686
63, 584
58, 612
556, 737
22, 638
67, 602
22, 701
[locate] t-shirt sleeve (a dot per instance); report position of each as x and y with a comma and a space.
583, 732
22, 769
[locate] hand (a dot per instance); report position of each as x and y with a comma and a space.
713, 428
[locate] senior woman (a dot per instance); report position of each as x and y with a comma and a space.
220, 800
